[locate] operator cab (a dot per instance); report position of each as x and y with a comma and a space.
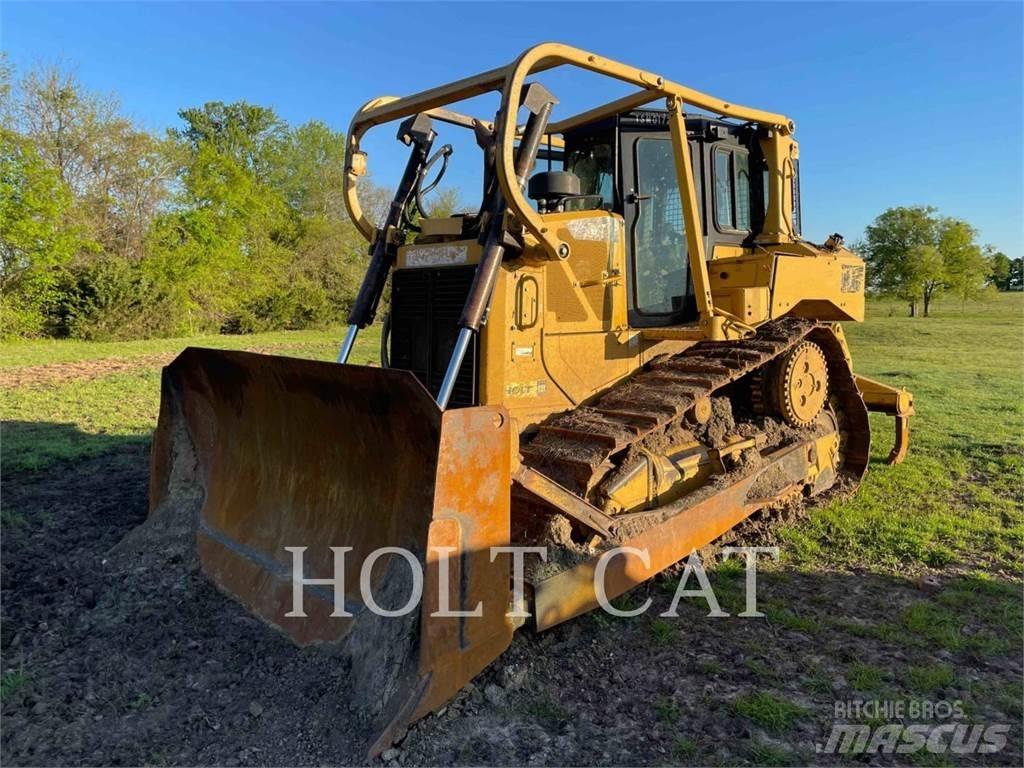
625, 165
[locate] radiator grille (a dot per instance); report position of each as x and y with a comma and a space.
425, 307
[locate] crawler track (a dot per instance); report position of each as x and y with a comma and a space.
579, 448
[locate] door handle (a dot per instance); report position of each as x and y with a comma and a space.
633, 198
608, 277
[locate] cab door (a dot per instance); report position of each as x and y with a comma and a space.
659, 283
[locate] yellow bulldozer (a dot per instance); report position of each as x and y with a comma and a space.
633, 348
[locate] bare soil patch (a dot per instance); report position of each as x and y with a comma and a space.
58, 373
86, 370
130, 657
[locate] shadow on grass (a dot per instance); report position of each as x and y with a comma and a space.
28, 447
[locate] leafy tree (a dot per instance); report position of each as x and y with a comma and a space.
311, 170
6, 74
250, 135
132, 173
444, 202
329, 254
117, 178
916, 254
924, 277
224, 247
36, 241
1015, 282
966, 267
64, 121
999, 268
234, 222
887, 244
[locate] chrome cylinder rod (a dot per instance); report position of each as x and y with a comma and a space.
448, 384
348, 343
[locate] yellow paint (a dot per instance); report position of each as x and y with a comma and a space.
725, 251
558, 330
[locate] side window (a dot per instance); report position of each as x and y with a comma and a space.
732, 190
797, 223
723, 189
741, 167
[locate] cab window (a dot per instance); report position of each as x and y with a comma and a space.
732, 190
593, 163
661, 269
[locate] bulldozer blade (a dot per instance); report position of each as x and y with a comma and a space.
272, 452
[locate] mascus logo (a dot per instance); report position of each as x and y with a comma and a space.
895, 738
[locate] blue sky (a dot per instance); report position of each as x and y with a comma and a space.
895, 104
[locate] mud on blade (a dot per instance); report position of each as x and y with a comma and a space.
273, 452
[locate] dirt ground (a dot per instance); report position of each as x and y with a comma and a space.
130, 657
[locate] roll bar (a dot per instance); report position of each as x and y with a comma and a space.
509, 81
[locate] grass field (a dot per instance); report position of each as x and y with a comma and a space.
958, 494
77, 416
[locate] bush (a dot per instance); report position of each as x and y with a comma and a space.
112, 298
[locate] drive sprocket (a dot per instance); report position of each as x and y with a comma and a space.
798, 384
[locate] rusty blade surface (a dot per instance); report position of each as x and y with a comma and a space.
300, 454
272, 452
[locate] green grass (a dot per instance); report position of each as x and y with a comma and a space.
81, 418
545, 709
974, 614
935, 625
865, 677
929, 679
765, 672
661, 632
683, 748
667, 710
12, 681
709, 667
17, 354
141, 701
816, 681
957, 497
731, 567
767, 710
795, 622
77, 419
928, 759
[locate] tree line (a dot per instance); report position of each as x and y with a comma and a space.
232, 222
916, 254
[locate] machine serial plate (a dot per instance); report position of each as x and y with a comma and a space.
435, 255
852, 279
